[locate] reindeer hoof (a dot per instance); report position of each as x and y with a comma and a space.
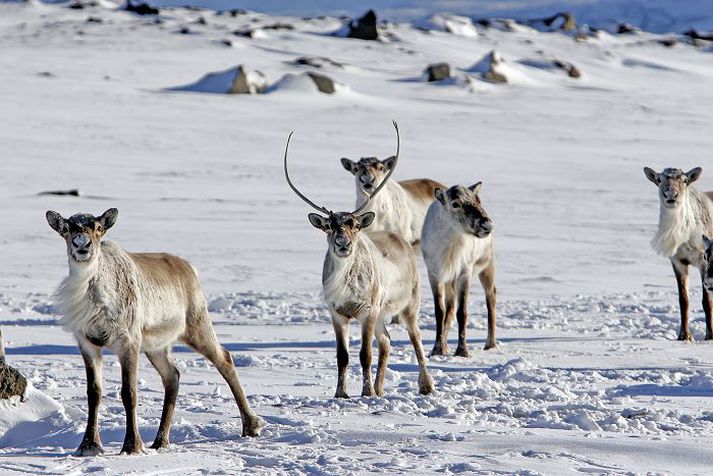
132, 448
367, 392
341, 394
439, 349
685, 336
462, 352
490, 345
252, 425
159, 444
425, 384
709, 336
89, 449
379, 392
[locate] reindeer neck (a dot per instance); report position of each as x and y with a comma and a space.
380, 198
349, 282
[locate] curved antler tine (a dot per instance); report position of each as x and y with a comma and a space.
388, 175
294, 189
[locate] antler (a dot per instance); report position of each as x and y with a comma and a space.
388, 175
289, 182
361, 208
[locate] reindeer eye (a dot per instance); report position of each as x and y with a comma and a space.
455, 205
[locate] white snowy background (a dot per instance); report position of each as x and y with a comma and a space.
588, 376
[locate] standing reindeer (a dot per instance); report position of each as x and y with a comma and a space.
401, 206
684, 216
132, 303
367, 278
457, 242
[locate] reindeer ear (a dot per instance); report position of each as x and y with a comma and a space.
389, 162
694, 174
348, 165
476, 187
366, 219
318, 221
440, 195
108, 218
56, 221
652, 175
707, 242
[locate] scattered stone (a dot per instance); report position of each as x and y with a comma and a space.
12, 383
184, 30
315, 61
364, 28
696, 35
564, 21
438, 71
668, 42
82, 4
454, 24
46, 74
571, 70
235, 80
94, 20
324, 83
140, 8
626, 29
201, 21
248, 82
278, 26
489, 68
73, 192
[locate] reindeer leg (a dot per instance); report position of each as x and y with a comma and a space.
450, 289
163, 363
487, 280
91, 444
707, 305
201, 336
680, 270
410, 318
462, 289
440, 346
129, 361
384, 341
367, 335
341, 330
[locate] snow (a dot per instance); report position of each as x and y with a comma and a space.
588, 376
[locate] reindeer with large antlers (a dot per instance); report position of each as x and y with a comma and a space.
367, 278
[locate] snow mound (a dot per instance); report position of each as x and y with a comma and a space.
445, 22
235, 80
39, 420
307, 83
494, 69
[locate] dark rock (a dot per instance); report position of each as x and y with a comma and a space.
324, 83
94, 20
184, 30
81, 5
12, 383
564, 21
696, 35
488, 68
438, 71
236, 11
626, 28
364, 28
668, 42
140, 8
247, 33
315, 62
278, 26
254, 82
484, 22
45, 74
201, 21
73, 192
571, 70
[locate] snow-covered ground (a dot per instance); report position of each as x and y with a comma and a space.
588, 376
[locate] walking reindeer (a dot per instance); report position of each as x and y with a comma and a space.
401, 206
367, 277
457, 242
685, 215
132, 303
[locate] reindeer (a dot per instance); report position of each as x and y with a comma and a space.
457, 242
401, 206
131, 303
707, 264
367, 277
685, 214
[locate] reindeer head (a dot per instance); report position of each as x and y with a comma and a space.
708, 264
82, 232
463, 205
342, 227
673, 184
369, 171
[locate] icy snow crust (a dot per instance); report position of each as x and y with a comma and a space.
587, 377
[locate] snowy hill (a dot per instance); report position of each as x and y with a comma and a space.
588, 375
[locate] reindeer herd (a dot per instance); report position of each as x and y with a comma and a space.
134, 303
